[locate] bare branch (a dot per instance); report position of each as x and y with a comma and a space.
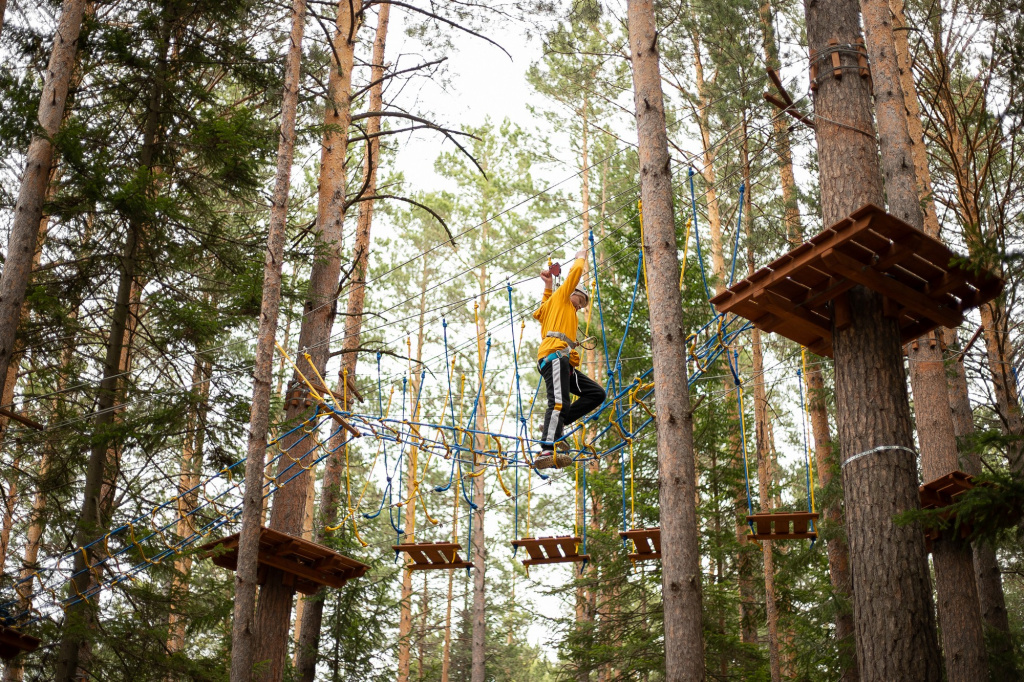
441, 19
429, 210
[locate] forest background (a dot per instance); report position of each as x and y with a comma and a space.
137, 339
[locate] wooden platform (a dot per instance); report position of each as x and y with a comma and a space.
940, 493
647, 542
943, 491
305, 564
13, 642
800, 294
783, 526
433, 555
555, 550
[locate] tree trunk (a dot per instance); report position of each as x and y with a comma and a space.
340, 116
243, 632
405, 619
744, 562
188, 479
891, 565
92, 521
836, 548
963, 640
28, 210
986, 567
273, 617
764, 443
308, 518
681, 575
479, 642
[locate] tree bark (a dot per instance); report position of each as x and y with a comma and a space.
243, 633
890, 562
405, 619
188, 479
339, 116
763, 438
836, 548
92, 520
963, 640
986, 566
681, 576
273, 617
28, 210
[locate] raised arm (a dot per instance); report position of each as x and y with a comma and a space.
579, 268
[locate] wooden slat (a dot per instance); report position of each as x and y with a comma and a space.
561, 549
888, 286
776, 525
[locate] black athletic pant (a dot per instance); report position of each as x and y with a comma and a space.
561, 380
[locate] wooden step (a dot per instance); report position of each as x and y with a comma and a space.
783, 525
13, 642
646, 542
551, 550
432, 555
943, 492
306, 565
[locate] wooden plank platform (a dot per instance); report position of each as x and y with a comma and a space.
943, 491
13, 642
783, 526
305, 564
925, 285
940, 493
646, 541
433, 555
552, 550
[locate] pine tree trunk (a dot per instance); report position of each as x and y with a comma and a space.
479, 642
92, 521
986, 566
308, 520
274, 610
405, 619
188, 479
28, 210
891, 565
764, 443
837, 549
963, 640
243, 633
681, 574
341, 87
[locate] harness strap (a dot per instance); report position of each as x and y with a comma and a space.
562, 337
557, 354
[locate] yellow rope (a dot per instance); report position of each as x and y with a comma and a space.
312, 391
632, 489
640, 211
806, 415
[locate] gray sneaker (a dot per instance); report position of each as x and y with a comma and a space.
549, 460
562, 446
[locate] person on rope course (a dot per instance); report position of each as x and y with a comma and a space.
559, 362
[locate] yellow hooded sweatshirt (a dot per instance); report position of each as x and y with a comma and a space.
557, 314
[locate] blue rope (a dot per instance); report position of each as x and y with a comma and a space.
736, 242
743, 434
696, 237
600, 310
521, 426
